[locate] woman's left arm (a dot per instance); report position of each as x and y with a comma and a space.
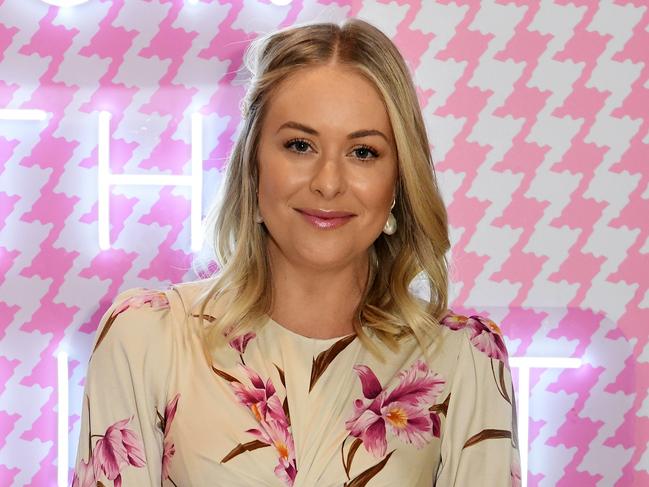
479, 436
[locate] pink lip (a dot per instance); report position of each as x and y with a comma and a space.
325, 213
321, 222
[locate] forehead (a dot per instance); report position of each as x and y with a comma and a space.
329, 97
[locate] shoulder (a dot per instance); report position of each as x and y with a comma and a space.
479, 334
150, 315
137, 317
136, 345
482, 333
190, 294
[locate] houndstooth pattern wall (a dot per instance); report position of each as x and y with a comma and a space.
537, 113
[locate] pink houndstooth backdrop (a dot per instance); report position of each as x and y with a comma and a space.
116, 118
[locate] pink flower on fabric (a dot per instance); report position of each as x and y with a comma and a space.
486, 336
286, 469
437, 424
260, 398
169, 447
85, 476
453, 321
403, 410
241, 342
118, 448
157, 300
277, 434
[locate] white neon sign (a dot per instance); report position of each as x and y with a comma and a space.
105, 179
62, 419
524, 364
65, 3
22, 114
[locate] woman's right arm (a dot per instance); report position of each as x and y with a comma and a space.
122, 422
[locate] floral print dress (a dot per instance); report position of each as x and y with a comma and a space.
277, 408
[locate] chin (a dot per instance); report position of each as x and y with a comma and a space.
326, 256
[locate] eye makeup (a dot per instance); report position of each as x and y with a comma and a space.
371, 150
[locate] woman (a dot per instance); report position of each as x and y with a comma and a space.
307, 361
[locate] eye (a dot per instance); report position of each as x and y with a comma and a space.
363, 152
364, 149
299, 144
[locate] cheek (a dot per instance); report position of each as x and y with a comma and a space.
272, 171
278, 180
375, 193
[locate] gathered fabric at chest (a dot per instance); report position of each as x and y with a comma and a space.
281, 409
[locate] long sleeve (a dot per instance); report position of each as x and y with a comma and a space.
479, 438
122, 424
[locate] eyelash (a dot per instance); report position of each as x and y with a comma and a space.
375, 154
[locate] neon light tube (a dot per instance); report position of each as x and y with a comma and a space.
103, 196
65, 3
524, 364
197, 182
105, 180
22, 114
62, 417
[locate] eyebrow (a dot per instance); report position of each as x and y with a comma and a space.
354, 135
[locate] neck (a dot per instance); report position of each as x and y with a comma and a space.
312, 301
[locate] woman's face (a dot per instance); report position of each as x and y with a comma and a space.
312, 155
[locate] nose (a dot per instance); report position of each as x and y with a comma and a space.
328, 177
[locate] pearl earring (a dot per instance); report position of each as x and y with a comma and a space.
258, 218
390, 225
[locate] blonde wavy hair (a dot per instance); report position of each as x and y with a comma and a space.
239, 294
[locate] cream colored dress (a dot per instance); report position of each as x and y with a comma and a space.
277, 408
